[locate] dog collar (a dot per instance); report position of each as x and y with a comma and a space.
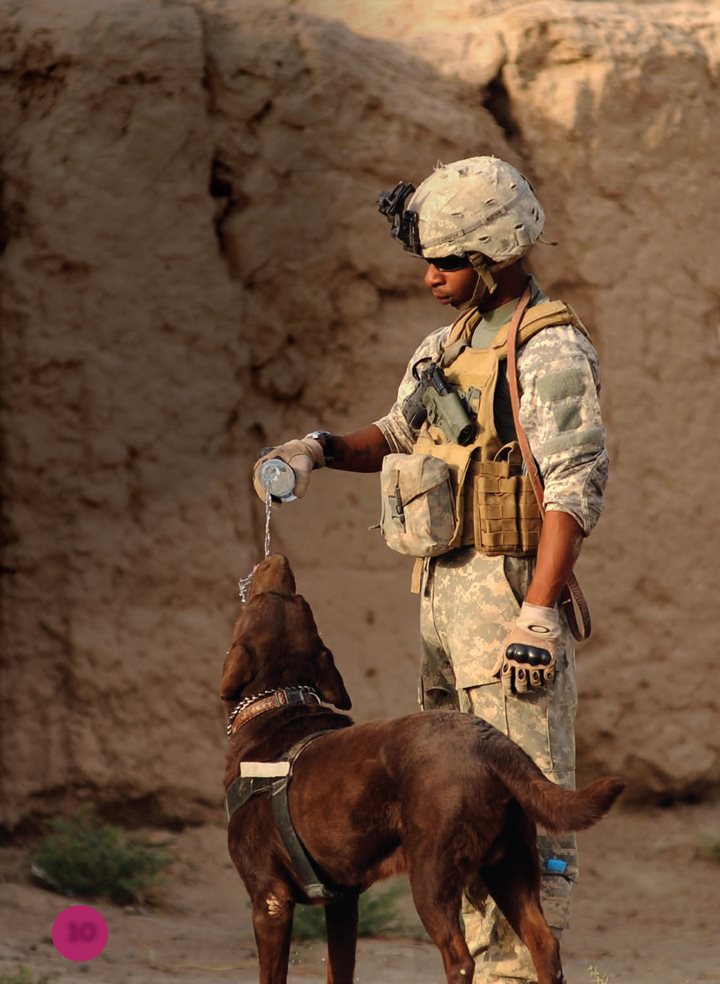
268, 700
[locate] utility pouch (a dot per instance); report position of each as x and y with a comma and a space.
506, 516
417, 515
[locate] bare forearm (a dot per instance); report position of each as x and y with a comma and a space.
560, 543
360, 451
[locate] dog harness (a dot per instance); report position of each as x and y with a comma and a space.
274, 778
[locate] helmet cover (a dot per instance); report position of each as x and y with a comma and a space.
477, 205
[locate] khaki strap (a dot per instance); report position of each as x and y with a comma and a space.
571, 595
463, 326
546, 314
417, 572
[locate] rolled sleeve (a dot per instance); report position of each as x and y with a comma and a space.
398, 433
560, 413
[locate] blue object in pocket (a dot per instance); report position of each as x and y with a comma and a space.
556, 866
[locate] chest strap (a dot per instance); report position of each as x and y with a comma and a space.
275, 780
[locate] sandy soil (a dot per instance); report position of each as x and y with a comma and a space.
647, 911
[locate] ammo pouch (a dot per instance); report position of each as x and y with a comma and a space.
418, 515
506, 515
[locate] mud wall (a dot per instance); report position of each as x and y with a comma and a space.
193, 267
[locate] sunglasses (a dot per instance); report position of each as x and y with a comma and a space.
448, 264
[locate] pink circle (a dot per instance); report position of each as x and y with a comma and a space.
80, 933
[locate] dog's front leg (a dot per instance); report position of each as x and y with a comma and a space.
341, 923
272, 916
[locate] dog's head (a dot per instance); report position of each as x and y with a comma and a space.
276, 643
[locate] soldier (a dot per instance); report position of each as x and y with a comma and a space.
456, 493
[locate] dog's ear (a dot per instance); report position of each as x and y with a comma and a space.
237, 671
330, 683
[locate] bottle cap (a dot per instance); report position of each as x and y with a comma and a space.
278, 479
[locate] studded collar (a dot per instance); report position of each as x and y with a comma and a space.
268, 700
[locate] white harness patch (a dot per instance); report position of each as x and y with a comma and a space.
264, 770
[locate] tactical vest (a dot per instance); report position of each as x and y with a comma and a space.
495, 506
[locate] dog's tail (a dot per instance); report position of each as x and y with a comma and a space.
558, 810
561, 810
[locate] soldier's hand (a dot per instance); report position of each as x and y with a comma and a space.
302, 455
529, 652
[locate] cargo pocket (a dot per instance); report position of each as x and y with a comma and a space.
558, 874
561, 711
555, 893
418, 516
542, 722
528, 725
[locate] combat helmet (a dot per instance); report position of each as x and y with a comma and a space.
480, 207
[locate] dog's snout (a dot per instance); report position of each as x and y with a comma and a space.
273, 574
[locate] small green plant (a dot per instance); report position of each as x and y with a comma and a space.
377, 916
710, 848
23, 975
596, 976
82, 857
309, 922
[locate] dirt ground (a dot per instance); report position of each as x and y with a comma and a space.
647, 911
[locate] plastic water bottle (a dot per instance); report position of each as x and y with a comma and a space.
278, 478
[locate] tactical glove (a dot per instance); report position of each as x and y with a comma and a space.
302, 456
530, 649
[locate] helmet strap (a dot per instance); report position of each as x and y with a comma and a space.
485, 281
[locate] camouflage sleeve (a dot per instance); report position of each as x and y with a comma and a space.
560, 413
398, 433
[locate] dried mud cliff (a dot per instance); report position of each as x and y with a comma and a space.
192, 267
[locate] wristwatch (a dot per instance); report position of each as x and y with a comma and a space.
325, 438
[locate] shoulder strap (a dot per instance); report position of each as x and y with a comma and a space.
571, 594
547, 314
462, 328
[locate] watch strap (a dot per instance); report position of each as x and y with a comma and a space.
325, 438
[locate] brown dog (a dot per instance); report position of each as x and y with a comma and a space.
442, 796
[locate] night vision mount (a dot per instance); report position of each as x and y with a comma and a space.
404, 223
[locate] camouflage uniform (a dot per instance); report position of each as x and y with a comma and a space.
469, 601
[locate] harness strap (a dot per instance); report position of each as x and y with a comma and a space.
243, 789
316, 884
571, 594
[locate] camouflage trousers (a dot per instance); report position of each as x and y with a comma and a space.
468, 604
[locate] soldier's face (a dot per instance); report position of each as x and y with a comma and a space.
453, 287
